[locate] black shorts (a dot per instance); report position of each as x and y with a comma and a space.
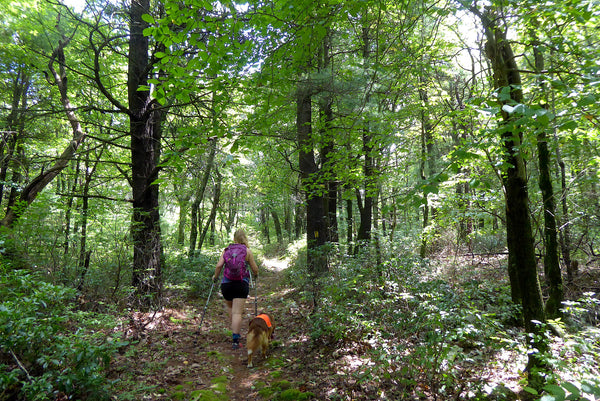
235, 289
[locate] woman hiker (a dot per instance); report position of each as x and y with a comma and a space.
235, 284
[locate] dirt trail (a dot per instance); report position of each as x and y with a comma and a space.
243, 383
175, 359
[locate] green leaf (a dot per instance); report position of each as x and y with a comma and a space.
234, 146
586, 100
569, 125
530, 390
557, 392
570, 387
504, 94
148, 18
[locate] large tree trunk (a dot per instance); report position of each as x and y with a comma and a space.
518, 221
366, 209
316, 229
145, 131
327, 137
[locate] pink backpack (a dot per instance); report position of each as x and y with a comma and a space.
235, 262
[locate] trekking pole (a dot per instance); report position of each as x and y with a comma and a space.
256, 296
206, 306
255, 284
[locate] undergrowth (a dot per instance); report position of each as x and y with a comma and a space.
48, 350
418, 334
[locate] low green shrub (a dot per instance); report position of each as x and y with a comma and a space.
47, 349
192, 272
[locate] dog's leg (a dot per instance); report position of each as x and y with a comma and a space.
264, 350
249, 358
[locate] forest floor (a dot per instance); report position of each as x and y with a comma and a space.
172, 358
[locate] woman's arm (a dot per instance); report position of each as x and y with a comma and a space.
250, 259
218, 268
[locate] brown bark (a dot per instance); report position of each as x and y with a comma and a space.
518, 221
328, 164
366, 208
316, 229
551, 259
145, 131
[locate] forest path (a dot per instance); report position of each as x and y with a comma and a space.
175, 359
269, 374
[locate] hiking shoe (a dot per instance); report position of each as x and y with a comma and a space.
235, 345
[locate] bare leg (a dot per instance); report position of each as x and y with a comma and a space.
237, 309
228, 307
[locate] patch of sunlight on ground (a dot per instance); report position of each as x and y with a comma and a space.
276, 264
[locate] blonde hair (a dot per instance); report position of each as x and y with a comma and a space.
240, 237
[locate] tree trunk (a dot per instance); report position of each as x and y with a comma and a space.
299, 217
69, 211
232, 210
145, 131
7, 158
15, 122
13, 195
507, 80
183, 203
551, 259
277, 225
327, 137
264, 223
199, 196
365, 206
393, 219
565, 232
287, 220
350, 225
366, 209
214, 208
316, 229
427, 168
84, 253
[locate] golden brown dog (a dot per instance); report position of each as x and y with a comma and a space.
259, 336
